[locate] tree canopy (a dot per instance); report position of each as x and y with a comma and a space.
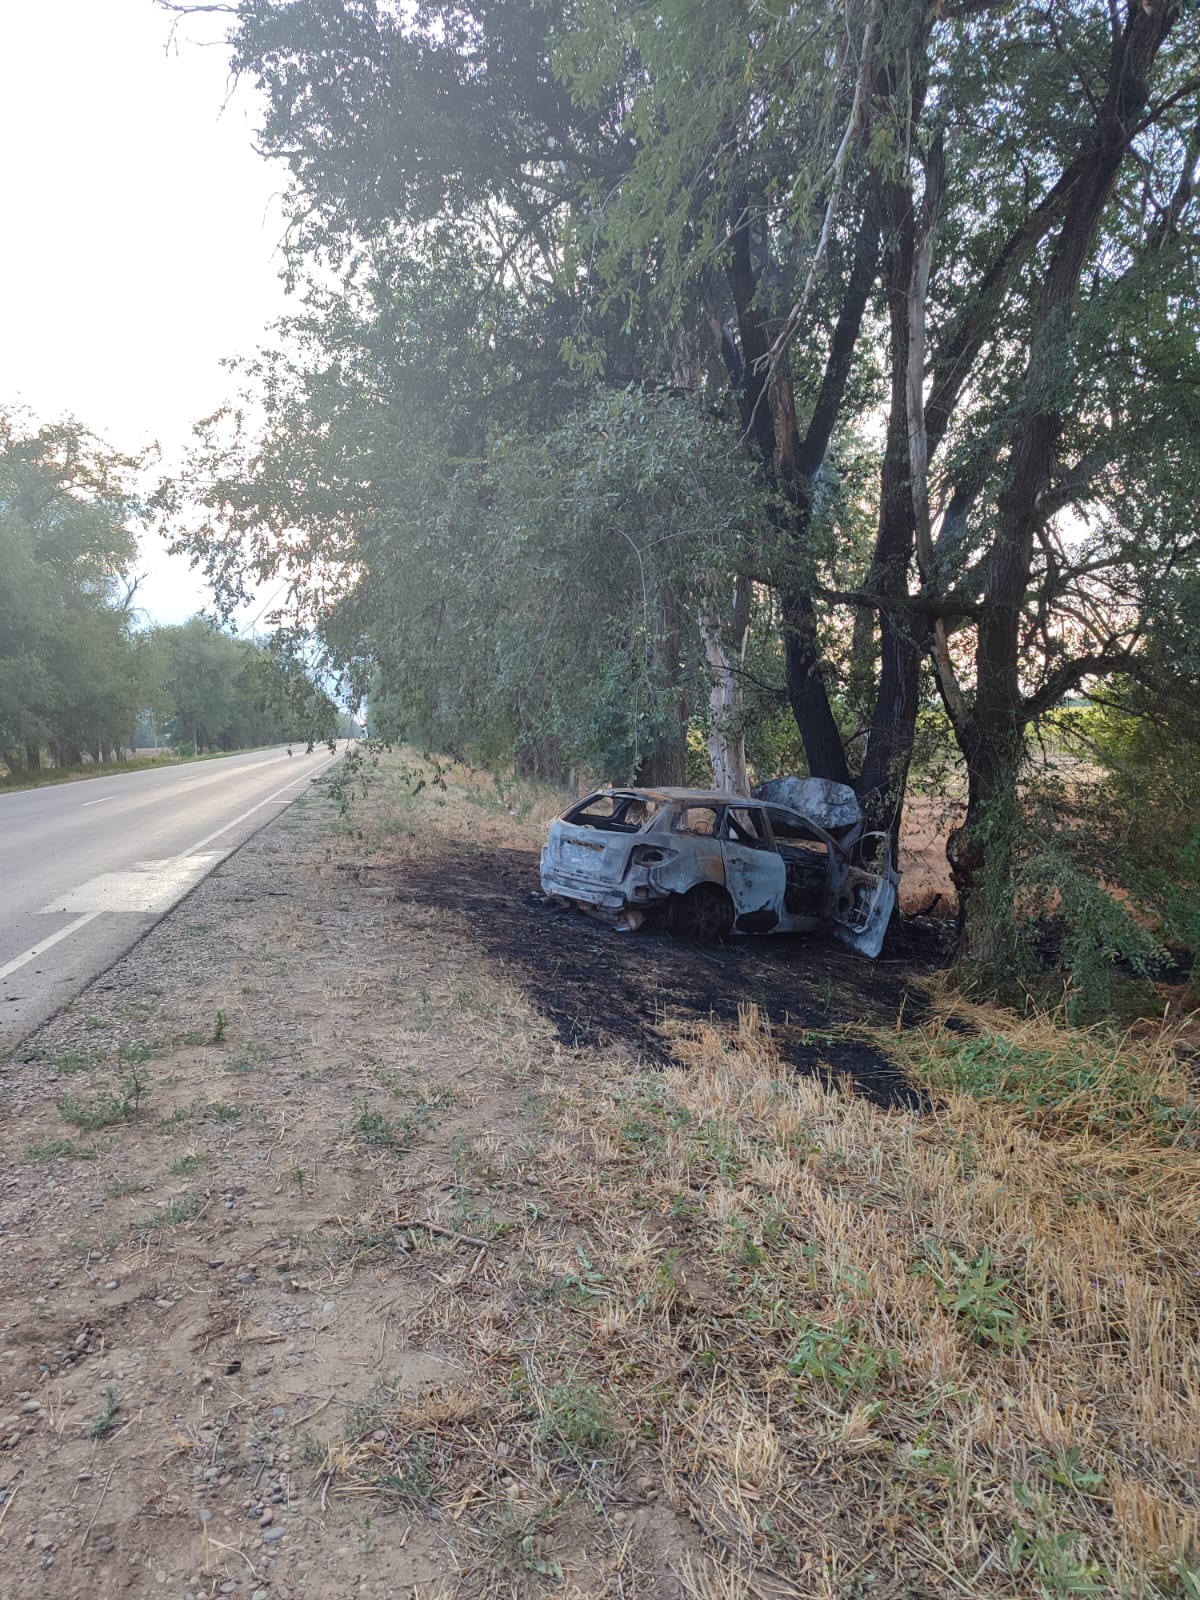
876, 325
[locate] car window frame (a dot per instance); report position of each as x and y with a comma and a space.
682, 808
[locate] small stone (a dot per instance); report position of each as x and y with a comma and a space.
267, 1518
112, 1283
160, 1577
31, 1407
260, 1594
273, 1535
329, 1307
228, 1588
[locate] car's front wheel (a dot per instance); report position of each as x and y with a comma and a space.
702, 915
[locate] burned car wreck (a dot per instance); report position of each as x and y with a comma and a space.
793, 859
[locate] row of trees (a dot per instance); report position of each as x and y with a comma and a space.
206, 690
697, 361
76, 673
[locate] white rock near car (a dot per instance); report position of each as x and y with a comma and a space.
793, 859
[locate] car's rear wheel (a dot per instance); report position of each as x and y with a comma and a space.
702, 915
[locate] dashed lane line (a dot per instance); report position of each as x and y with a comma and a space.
177, 882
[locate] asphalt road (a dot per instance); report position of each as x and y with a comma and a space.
87, 868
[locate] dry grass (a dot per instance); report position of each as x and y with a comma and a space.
864, 1352
407, 797
836, 1350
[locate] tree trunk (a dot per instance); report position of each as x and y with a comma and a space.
807, 694
664, 765
884, 774
981, 854
542, 761
792, 464
726, 735
33, 755
904, 496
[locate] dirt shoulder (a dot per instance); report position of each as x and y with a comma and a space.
371, 1229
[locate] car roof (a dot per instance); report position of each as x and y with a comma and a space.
712, 797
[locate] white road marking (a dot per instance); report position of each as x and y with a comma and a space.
147, 887
44, 944
144, 888
217, 832
100, 802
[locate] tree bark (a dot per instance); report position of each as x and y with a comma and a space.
726, 736
791, 464
884, 776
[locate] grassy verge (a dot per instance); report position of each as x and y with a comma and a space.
488, 1315
864, 1352
109, 769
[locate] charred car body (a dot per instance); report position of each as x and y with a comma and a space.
791, 860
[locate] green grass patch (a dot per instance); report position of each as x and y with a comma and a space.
107, 1110
171, 1216
105, 1419
59, 1150
188, 1164
1071, 1078
380, 1132
576, 1422
74, 1061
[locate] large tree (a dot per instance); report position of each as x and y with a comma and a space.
970, 225
69, 666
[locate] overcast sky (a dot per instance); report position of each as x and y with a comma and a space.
140, 229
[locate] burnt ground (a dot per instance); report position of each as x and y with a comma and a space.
600, 987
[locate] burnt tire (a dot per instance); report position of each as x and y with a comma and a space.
702, 915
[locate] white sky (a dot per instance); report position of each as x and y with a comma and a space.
140, 230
